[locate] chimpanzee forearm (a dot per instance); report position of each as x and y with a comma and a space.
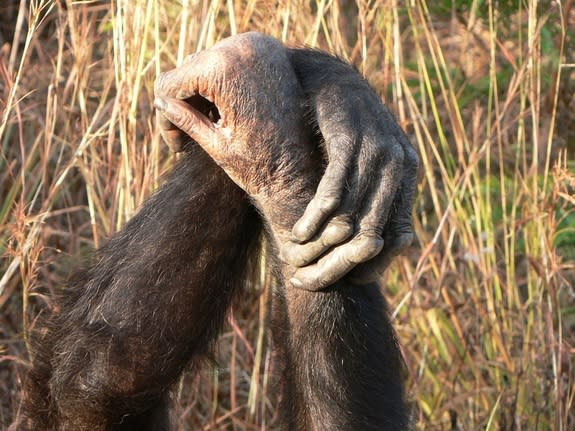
342, 369
156, 295
152, 302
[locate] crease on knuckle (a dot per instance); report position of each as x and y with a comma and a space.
160, 84
337, 167
340, 139
395, 153
343, 219
369, 243
336, 231
401, 223
327, 203
298, 255
184, 121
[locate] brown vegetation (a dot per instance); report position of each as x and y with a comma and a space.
484, 304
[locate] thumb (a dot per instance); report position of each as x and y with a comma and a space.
190, 121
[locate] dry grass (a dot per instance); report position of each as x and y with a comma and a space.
484, 304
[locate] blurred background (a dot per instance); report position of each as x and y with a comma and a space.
483, 302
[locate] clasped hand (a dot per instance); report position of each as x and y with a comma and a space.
272, 117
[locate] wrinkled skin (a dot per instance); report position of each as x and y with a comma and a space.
371, 163
155, 298
370, 181
365, 197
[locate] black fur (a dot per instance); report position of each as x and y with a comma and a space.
150, 305
155, 298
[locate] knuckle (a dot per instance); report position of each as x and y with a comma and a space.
399, 243
301, 233
355, 255
338, 231
336, 172
344, 219
160, 84
369, 242
294, 255
179, 120
401, 223
406, 239
302, 258
390, 156
396, 152
370, 232
327, 203
306, 226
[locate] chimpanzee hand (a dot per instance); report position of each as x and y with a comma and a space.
367, 152
370, 181
240, 101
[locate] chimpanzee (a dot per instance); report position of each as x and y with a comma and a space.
257, 122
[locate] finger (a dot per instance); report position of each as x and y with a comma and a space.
183, 82
337, 230
338, 262
174, 138
373, 217
325, 201
190, 121
383, 188
341, 224
338, 125
192, 77
401, 222
398, 232
357, 183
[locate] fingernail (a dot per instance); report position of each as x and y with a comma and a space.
296, 283
160, 104
299, 233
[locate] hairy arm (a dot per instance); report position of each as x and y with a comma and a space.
152, 301
359, 210
341, 363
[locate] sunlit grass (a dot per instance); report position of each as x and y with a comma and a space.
484, 303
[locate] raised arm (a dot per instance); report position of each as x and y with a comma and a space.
361, 210
342, 366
